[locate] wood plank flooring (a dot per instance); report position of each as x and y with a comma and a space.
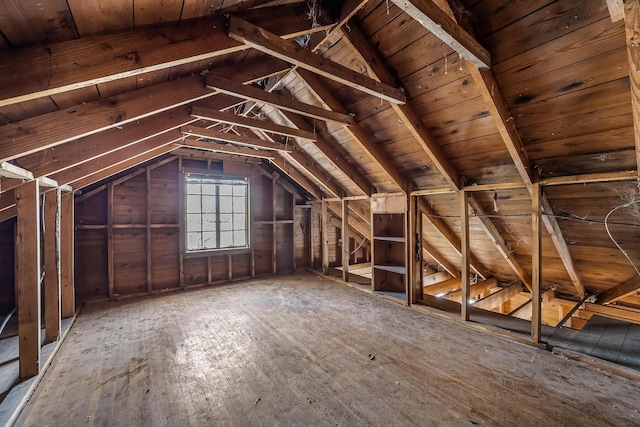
299, 350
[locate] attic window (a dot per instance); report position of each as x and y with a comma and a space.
216, 213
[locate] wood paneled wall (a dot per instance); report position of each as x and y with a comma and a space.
142, 222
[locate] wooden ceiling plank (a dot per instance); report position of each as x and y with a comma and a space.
494, 234
232, 138
32, 73
450, 237
229, 87
38, 133
632, 31
337, 159
227, 148
430, 16
289, 51
620, 290
362, 48
492, 95
262, 125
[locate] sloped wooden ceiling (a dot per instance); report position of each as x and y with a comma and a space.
91, 88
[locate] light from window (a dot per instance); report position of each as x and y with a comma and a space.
216, 213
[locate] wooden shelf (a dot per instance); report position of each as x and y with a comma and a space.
398, 269
390, 239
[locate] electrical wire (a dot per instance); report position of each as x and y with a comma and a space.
606, 226
366, 235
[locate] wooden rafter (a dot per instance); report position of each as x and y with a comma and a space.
433, 253
229, 87
363, 49
349, 9
312, 169
286, 167
48, 130
264, 41
620, 291
227, 148
32, 73
262, 125
232, 138
490, 229
430, 16
361, 229
359, 135
450, 237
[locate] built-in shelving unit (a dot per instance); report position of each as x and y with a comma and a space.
389, 251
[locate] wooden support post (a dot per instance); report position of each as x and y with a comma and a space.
274, 249
67, 258
464, 240
345, 240
311, 212
536, 262
324, 218
230, 267
181, 220
293, 232
149, 270
110, 248
52, 313
415, 251
209, 271
28, 277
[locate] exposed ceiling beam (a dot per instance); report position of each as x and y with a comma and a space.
327, 149
227, 148
349, 9
359, 135
48, 130
590, 178
230, 137
495, 299
433, 253
492, 95
450, 237
430, 16
262, 125
632, 30
619, 291
443, 287
494, 234
229, 87
308, 165
480, 287
297, 176
35, 72
289, 51
9, 170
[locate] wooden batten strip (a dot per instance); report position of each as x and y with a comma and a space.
289, 51
232, 138
430, 16
227, 148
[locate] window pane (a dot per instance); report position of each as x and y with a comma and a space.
226, 239
208, 222
226, 189
209, 240
209, 204
194, 222
239, 205
209, 188
225, 222
239, 238
239, 190
239, 222
193, 188
226, 205
193, 203
193, 241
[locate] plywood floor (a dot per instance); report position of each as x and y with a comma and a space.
295, 351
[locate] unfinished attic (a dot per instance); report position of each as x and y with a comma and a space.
319, 212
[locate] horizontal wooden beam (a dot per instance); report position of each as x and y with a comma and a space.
495, 299
227, 148
264, 41
261, 125
48, 130
480, 287
9, 170
229, 87
613, 311
443, 287
35, 72
232, 138
430, 16
590, 178
620, 290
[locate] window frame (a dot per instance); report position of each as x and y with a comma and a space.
220, 181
